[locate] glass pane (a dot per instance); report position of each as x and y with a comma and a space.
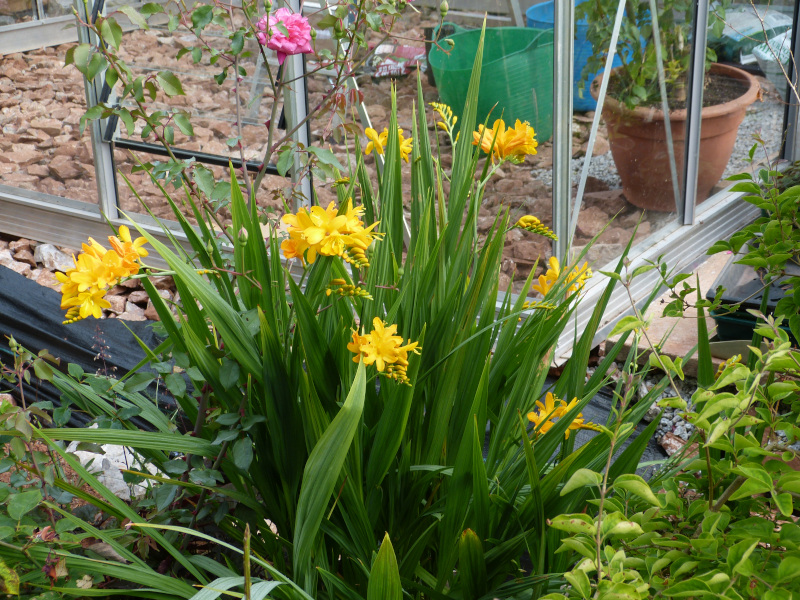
41, 147
755, 59
268, 197
636, 169
516, 84
16, 11
212, 106
57, 8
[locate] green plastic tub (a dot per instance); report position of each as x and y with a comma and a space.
517, 75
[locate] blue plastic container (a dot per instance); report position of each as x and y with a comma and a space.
541, 16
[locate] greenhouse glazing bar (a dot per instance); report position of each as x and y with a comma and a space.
563, 40
697, 73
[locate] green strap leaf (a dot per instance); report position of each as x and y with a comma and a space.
384, 579
321, 473
472, 565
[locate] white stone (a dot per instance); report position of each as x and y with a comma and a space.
108, 468
52, 258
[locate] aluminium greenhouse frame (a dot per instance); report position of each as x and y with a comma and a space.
68, 222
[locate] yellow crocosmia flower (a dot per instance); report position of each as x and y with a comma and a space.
534, 225
578, 277
575, 279
93, 248
68, 287
293, 249
130, 250
377, 141
90, 272
325, 231
353, 216
383, 348
578, 422
406, 145
552, 406
358, 342
509, 143
553, 409
91, 303
547, 280
540, 422
521, 141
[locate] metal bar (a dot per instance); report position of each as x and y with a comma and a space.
201, 157
673, 170
598, 111
102, 152
697, 72
296, 109
39, 6
23, 37
519, 20
563, 41
790, 149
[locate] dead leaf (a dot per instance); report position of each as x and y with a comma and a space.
106, 551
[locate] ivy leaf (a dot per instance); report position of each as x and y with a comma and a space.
285, 161
151, 8
176, 384
326, 157
237, 42
242, 453
202, 15
127, 119
23, 503
183, 123
164, 496
135, 16
637, 486
626, 324
582, 478
42, 369
96, 64
79, 56
138, 381
228, 373
169, 83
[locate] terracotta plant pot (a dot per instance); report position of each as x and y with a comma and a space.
638, 143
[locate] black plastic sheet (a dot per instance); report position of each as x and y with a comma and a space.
32, 315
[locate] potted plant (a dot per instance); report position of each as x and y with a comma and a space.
633, 108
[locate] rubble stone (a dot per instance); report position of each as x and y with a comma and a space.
133, 312
53, 258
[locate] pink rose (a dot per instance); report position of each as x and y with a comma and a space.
297, 42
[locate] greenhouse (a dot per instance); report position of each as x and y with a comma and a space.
470, 299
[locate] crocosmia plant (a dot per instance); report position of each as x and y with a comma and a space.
352, 387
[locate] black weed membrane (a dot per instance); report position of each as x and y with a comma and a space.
32, 315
